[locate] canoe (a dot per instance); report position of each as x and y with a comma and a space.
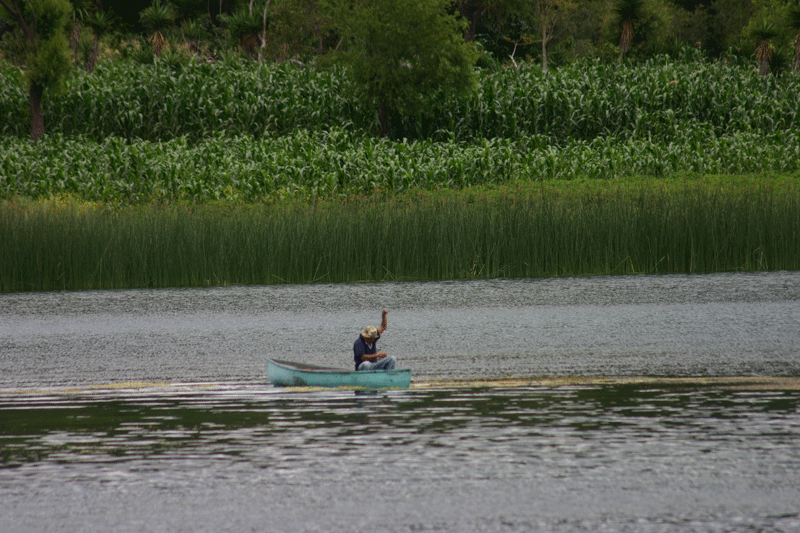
290, 374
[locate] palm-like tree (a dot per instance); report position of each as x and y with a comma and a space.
156, 18
794, 23
763, 34
193, 33
627, 12
75, 33
246, 27
100, 22
249, 28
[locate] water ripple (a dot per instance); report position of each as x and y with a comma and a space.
601, 458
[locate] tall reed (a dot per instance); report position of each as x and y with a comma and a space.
518, 230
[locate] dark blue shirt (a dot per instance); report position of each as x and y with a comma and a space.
360, 349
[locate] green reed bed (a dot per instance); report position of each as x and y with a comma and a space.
589, 99
338, 163
517, 230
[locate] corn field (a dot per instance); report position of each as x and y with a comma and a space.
337, 163
655, 101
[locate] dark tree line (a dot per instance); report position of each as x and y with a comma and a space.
399, 51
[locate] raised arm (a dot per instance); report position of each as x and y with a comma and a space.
383, 321
379, 355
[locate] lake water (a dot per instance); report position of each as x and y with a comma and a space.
150, 410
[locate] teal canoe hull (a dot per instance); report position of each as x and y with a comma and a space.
289, 374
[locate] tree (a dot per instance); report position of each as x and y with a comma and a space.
78, 13
100, 22
793, 20
249, 28
476, 10
401, 52
583, 30
535, 21
763, 33
194, 31
47, 58
627, 12
156, 18
299, 29
727, 20
549, 13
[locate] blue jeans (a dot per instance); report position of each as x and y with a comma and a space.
387, 363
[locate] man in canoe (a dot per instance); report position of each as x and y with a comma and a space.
365, 351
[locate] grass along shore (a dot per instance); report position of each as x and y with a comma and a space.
519, 229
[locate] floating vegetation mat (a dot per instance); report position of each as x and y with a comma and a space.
745, 383
717, 382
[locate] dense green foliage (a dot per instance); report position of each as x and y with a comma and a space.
590, 99
657, 100
549, 228
160, 102
301, 29
400, 52
235, 172
41, 27
337, 163
243, 131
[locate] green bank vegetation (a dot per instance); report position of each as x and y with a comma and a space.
233, 172
547, 228
336, 164
656, 100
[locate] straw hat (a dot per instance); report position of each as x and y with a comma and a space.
370, 333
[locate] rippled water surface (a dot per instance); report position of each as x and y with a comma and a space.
151, 410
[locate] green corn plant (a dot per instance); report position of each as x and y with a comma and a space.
655, 100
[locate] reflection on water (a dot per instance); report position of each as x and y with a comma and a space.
613, 458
